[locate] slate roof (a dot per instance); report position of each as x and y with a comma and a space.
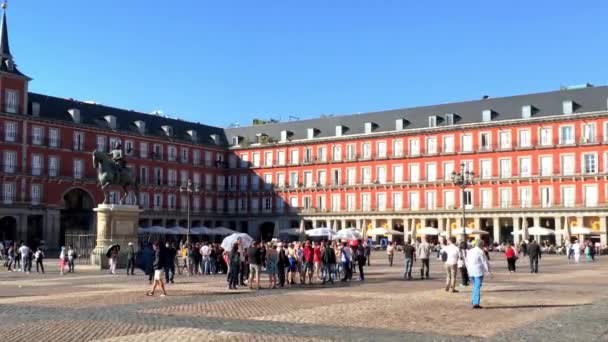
587, 99
55, 108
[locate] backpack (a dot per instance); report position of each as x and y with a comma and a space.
444, 256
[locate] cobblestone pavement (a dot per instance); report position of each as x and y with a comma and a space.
565, 302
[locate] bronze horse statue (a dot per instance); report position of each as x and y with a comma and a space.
109, 173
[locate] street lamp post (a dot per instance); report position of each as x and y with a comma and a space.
463, 179
189, 190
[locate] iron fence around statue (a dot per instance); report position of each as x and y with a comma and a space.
83, 244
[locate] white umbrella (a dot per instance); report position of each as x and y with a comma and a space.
319, 232
290, 231
428, 231
200, 231
540, 231
348, 234
230, 240
153, 230
221, 231
383, 231
581, 231
177, 230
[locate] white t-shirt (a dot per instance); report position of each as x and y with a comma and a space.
205, 250
24, 251
452, 253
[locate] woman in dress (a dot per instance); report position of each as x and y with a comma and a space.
271, 264
511, 256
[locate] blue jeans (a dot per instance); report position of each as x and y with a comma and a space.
328, 271
476, 281
408, 267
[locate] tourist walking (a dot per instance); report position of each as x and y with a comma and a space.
329, 264
169, 253
24, 252
462, 265
11, 257
534, 252
308, 255
39, 257
424, 253
361, 259
576, 247
409, 252
158, 267
390, 253
234, 263
62, 260
130, 259
292, 267
271, 265
451, 253
71, 258
368, 252
477, 266
511, 255
317, 259
282, 264
206, 262
255, 264
345, 258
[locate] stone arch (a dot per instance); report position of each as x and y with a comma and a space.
77, 216
8, 228
266, 231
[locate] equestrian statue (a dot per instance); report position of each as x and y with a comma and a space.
112, 170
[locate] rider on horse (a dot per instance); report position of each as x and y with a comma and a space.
118, 157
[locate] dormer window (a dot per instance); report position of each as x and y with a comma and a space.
433, 121
193, 135
168, 130
369, 127
568, 107
262, 138
75, 113
311, 133
12, 101
111, 120
285, 135
215, 138
486, 115
526, 111
236, 140
400, 124
35, 109
141, 126
339, 130
449, 119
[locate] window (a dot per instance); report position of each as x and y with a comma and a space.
448, 199
281, 157
486, 115
171, 202
221, 182
37, 135
351, 176
293, 202
568, 196
368, 127
143, 175
322, 179
545, 197
143, 150
381, 149
589, 133
566, 135
432, 121
449, 119
78, 141
172, 153
10, 161
525, 169
338, 131
9, 192
267, 203
448, 168
184, 155
381, 174
399, 124
10, 131
524, 138
196, 157
335, 203
448, 144
101, 143
335, 177
307, 155
268, 158
467, 143
486, 198
414, 200
414, 147
337, 153
431, 172
590, 193
158, 176
486, 169
281, 180
397, 174
183, 177
293, 179
525, 198
568, 107
53, 166
546, 136
244, 181
505, 140
350, 202
526, 112
546, 166
35, 194
414, 173
485, 140
381, 201
366, 203
431, 145
397, 148
322, 154
367, 150
366, 175
78, 168
53, 137
589, 163
430, 200
256, 159
321, 203
567, 166
468, 199
129, 147
505, 198
279, 204
397, 201
350, 152
505, 168
36, 164
308, 179
12, 101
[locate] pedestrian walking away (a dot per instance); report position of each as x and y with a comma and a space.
158, 267
71, 258
390, 253
130, 259
462, 257
409, 252
534, 253
511, 255
451, 253
255, 264
424, 253
39, 256
477, 266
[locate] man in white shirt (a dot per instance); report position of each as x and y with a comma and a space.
205, 252
450, 254
477, 266
25, 257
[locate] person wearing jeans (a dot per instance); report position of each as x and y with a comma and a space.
409, 252
424, 254
477, 266
451, 253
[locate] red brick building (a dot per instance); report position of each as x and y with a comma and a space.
539, 160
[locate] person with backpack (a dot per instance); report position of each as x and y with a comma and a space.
450, 255
329, 263
361, 259
39, 257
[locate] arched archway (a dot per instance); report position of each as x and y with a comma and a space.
8, 228
266, 231
77, 213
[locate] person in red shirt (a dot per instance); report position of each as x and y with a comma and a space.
511, 255
317, 259
308, 261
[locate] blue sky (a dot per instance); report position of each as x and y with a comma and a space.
218, 62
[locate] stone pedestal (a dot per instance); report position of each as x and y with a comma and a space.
116, 225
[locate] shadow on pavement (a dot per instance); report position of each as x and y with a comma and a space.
537, 306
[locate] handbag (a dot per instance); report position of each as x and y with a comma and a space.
460, 263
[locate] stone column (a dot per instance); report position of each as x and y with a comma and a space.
441, 227
496, 229
536, 223
343, 224
580, 222
559, 230
603, 232
277, 229
516, 232
314, 223
406, 229
477, 221
390, 226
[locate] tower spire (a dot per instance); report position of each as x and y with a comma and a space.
5, 49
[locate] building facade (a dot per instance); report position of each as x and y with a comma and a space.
539, 160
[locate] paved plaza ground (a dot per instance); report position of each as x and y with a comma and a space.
565, 302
